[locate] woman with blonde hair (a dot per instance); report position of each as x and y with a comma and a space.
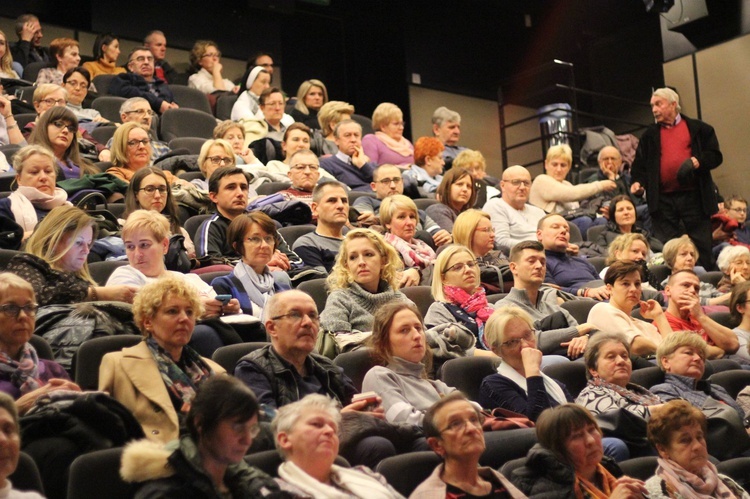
55, 264
473, 229
131, 151
214, 154
311, 96
6, 59
234, 133
205, 60
330, 114
459, 297
388, 144
399, 215
364, 278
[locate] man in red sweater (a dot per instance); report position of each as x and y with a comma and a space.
673, 166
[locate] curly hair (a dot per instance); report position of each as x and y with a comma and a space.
623, 242
674, 415
391, 264
153, 295
384, 114
304, 89
427, 146
199, 50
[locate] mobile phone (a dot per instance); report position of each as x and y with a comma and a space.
224, 299
370, 397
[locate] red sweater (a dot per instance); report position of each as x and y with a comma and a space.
675, 149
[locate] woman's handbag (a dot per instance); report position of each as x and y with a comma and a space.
503, 419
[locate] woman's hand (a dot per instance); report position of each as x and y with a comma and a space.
105, 155
409, 277
232, 307
27, 401
626, 487
608, 185
248, 156
735, 275
442, 237
576, 346
532, 361
213, 307
124, 293
651, 310
361, 405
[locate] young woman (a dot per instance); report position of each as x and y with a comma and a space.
56, 129
106, 52
456, 193
311, 96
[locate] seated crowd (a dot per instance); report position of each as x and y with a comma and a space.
360, 283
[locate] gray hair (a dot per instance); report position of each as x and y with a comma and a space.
129, 104
669, 94
342, 123
288, 415
599, 156
443, 114
594, 346
671, 343
730, 254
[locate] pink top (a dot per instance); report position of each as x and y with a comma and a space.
381, 154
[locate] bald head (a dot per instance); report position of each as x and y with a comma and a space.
515, 186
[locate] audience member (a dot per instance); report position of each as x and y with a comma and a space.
623, 219
513, 218
735, 209
474, 162
304, 173
11, 447
734, 262
388, 144
330, 205
106, 51
740, 313
57, 130
29, 48
557, 332
255, 238
76, 82
157, 379
6, 59
631, 247
457, 193
64, 52
311, 96
140, 81
248, 105
330, 114
138, 110
453, 427
446, 126
427, 169
131, 151
400, 217
205, 60
234, 133
214, 153
156, 42
297, 137
350, 165
10, 133
209, 460
681, 254
271, 103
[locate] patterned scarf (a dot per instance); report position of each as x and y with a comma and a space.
24, 374
691, 486
415, 253
472, 303
584, 489
634, 393
182, 384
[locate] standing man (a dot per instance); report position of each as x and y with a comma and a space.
140, 81
350, 165
29, 48
446, 126
156, 42
673, 165
513, 219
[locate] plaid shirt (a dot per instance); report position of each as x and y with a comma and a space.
696, 392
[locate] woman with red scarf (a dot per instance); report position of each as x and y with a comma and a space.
459, 296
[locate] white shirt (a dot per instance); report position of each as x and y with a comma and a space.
511, 225
204, 81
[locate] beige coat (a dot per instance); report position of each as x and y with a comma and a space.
132, 377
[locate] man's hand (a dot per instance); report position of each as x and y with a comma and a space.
599, 293
689, 303
367, 219
695, 161
29, 29
585, 328
362, 404
572, 249
442, 237
359, 158
280, 261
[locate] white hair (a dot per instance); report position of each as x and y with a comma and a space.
669, 94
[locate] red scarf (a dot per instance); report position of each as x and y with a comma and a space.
472, 303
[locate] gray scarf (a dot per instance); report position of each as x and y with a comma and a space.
258, 287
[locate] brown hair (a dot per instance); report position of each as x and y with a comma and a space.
670, 418
241, 224
452, 176
554, 426
380, 341
620, 269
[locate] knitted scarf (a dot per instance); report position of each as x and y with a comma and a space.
25, 200
415, 253
472, 303
691, 486
24, 373
635, 394
259, 287
182, 384
401, 146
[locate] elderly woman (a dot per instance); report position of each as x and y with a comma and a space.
678, 432
568, 461
146, 237
214, 153
307, 435
76, 81
552, 193
682, 254
682, 357
474, 230
56, 130
400, 217
734, 262
740, 313
234, 133
6, 59
208, 461
456, 193
311, 96
459, 297
149, 190
364, 278
329, 115
36, 194
387, 144
519, 384
427, 169
205, 60
255, 238
623, 219
157, 379
54, 261
608, 369
248, 102
106, 51
623, 281
64, 52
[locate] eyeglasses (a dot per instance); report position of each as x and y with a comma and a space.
73, 84
143, 58
220, 160
213, 54
255, 240
13, 310
61, 124
310, 167
460, 267
254, 430
739, 210
530, 335
398, 124
489, 230
458, 425
296, 316
141, 111
136, 143
516, 182
151, 189
54, 102
387, 181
